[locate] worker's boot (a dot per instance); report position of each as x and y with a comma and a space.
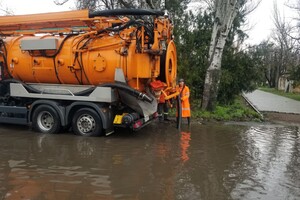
160, 117
166, 117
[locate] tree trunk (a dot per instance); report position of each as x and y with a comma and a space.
213, 74
226, 12
211, 86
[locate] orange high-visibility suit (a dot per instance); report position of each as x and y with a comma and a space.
185, 103
163, 108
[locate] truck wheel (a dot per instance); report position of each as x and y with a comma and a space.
46, 120
87, 122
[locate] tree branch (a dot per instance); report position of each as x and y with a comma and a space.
57, 2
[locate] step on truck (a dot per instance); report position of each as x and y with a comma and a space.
89, 71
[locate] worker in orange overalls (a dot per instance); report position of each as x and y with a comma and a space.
163, 108
184, 93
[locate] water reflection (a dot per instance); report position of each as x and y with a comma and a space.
184, 144
204, 162
267, 158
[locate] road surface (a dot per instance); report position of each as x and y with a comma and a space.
268, 102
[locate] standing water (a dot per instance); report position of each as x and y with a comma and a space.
217, 161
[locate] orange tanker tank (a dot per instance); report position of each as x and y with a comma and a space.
78, 47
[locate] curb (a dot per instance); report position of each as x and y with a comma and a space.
253, 106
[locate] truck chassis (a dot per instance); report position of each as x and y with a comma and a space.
89, 110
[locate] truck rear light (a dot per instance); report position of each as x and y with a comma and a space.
137, 124
155, 115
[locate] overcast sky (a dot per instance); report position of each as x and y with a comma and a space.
35, 6
260, 20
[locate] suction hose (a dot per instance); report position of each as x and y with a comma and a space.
116, 12
130, 90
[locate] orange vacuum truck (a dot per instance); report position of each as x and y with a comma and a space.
92, 71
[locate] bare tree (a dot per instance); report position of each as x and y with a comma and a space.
286, 44
225, 14
294, 6
4, 10
58, 2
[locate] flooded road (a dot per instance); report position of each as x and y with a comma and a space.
231, 161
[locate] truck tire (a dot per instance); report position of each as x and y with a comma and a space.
87, 122
46, 119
